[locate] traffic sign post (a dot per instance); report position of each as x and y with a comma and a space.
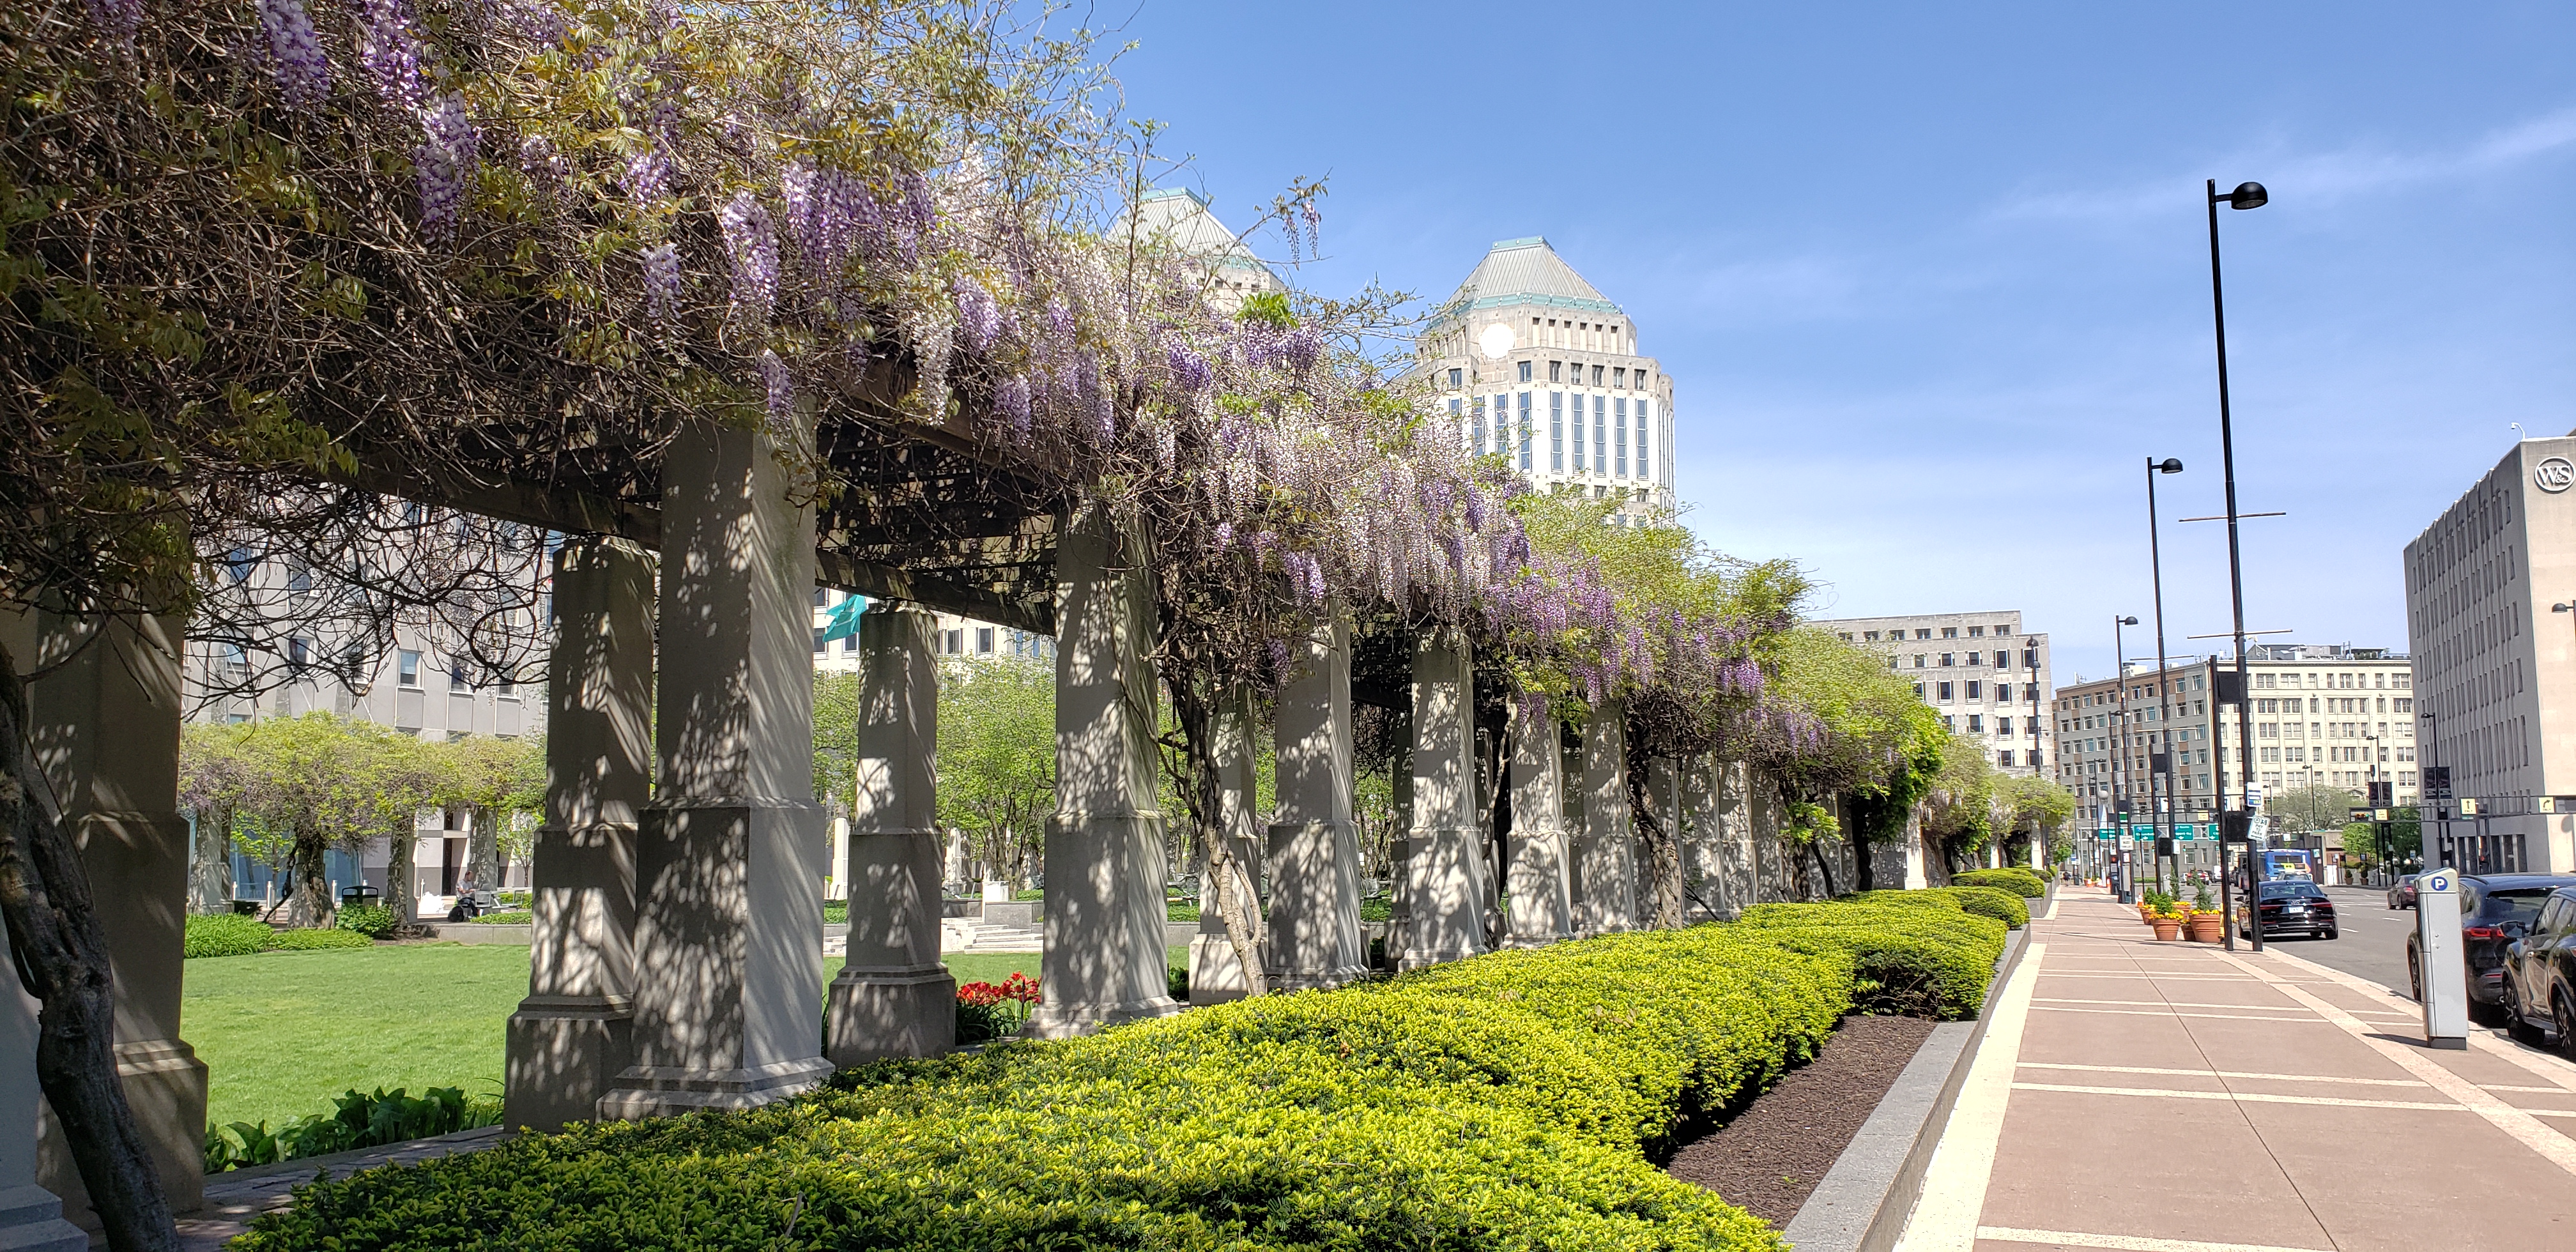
2440, 974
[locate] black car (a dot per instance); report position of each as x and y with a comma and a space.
2540, 974
2402, 894
2495, 910
2293, 906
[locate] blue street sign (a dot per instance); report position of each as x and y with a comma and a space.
2147, 831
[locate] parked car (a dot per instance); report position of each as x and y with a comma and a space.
2292, 906
2540, 975
2495, 909
2401, 894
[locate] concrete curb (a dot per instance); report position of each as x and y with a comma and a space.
1864, 1201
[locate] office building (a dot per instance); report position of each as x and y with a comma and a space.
2495, 663
1985, 677
1535, 365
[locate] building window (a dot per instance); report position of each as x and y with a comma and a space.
456, 676
1949, 659
407, 669
2003, 693
1556, 371
298, 655
1976, 691
954, 641
984, 640
1526, 432
1457, 379
1949, 632
1976, 632
1869, 635
1918, 691
1619, 377
2003, 725
2003, 632
1918, 660
1596, 375
1976, 721
2004, 758
1945, 693
1525, 371
2403, 706
1556, 430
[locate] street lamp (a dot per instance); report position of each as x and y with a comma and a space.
2120, 761
2164, 703
2246, 196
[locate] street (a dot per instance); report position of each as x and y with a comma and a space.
2372, 943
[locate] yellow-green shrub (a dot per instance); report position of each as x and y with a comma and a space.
2021, 882
1501, 1102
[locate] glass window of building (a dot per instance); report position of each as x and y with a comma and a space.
1556, 371
1556, 430
1526, 431
1525, 371
1457, 379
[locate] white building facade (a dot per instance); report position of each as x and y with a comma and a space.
1986, 678
2495, 663
1533, 364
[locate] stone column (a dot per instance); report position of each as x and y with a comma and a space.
30, 1216
1444, 881
1105, 867
893, 997
1701, 871
575, 1033
1734, 839
1542, 894
104, 725
1605, 855
729, 855
1216, 971
1313, 936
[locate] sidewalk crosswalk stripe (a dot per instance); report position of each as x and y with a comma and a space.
2179, 1004
2125, 1243
2533, 1133
2247, 1097
2545, 1066
2227, 1017
2232, 1073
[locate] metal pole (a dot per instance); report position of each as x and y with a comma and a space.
2120, 765
2164, 686
2235, 557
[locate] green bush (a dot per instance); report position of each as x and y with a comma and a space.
1174, 910
1508, 1101
1995, 902
2022, 882
312, 940
226, 934
375, 921
356, 1121
504, 917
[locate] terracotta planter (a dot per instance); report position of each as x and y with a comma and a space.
2167, 929
2208, 927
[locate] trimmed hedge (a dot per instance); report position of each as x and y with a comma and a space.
1508, 1101
2022, 882
1994, 902
231, 934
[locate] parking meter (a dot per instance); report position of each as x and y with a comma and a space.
2439, 964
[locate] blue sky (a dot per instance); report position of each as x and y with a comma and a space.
1933, 284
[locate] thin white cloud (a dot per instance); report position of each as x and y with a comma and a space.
2322, 177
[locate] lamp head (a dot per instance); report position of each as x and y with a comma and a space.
2248, 196
2562, 608
2170, 465
2128, 621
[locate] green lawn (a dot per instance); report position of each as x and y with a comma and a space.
284, 1032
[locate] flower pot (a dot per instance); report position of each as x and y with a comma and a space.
2168, 929
2208, 927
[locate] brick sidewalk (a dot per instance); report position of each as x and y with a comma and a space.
2172, 1097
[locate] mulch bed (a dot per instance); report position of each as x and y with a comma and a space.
1773, 1153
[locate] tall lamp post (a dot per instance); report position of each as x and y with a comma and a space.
2120, 763
2164, 694
2246, 196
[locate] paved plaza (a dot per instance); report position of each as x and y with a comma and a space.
2174, 1097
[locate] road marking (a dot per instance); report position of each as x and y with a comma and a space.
2231, 1073
1954, 1184
2245, 1097
2228, 1017
2555, 1070
2125, 1243
2180, 1004
2539, 1136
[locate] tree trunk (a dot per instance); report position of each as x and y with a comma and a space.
62, 959
1663, 846
1236, 900
483, 846
1823, 866
311, 903
399, 893
210, 864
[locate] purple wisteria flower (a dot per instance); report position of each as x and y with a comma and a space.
754, 250
781, 385
1301, 349
662, 282
1190, 371
1224, 536
648, 174
295, 53
116, 20
391, 53
1012, 398
541, 163
445, 161
978, 317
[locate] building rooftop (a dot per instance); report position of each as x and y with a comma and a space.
1526, 271
1179, 219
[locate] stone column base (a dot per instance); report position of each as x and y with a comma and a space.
31, 1220
1216, 973
654, 1091
165, 1085
880, 1015
565, 1052
1064, 1021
